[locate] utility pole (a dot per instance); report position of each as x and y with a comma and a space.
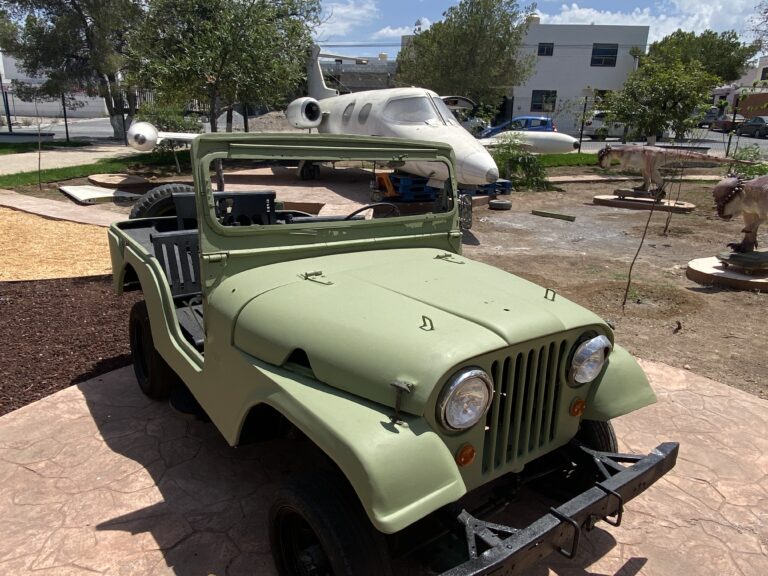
64, 107
5, 103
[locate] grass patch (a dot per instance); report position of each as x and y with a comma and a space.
21, 147
570, 159
107, 165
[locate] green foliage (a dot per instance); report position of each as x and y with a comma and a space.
167, 118
661, 95
516, 164
751, 153
220, 52
74, 45
722, 55
474, 51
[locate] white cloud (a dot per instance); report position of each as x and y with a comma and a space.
390, 32
340, 18
666, 16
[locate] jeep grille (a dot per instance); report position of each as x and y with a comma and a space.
523, 418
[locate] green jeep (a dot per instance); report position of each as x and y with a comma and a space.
425, 381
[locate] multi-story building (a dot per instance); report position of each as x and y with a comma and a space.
574, 61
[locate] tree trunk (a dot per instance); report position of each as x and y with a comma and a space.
229, 119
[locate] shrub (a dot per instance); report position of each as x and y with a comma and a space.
516, 164
751, 153
167, 118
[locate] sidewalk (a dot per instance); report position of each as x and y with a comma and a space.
61, 157
60, 210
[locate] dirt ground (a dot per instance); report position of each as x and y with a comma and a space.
722, 334
56, 331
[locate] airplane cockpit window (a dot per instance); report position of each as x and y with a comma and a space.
415, 110
445, 112
362, 116
347, 114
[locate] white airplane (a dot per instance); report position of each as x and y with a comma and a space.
536, 142
415, 113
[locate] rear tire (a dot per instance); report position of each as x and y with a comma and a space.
156, 379
500, 205
159, 201
317, 526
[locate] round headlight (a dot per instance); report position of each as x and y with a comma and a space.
588, 360
465, 399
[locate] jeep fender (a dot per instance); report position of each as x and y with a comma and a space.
623, 388
400, 472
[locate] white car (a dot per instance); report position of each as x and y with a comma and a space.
596, 128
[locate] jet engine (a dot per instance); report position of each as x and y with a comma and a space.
142, 136
304, 113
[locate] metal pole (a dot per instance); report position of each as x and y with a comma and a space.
64, 107
5, 103
245, 117
583, 116
733, 121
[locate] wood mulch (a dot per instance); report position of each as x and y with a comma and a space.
60, 320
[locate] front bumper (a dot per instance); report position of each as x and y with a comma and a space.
511, 551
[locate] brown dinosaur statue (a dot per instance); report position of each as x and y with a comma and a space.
733, 196
648, 160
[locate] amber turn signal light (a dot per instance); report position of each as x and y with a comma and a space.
466, 455
577, 407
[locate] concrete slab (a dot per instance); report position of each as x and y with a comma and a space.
97, 479
60, 210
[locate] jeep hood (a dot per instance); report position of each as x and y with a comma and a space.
367, 319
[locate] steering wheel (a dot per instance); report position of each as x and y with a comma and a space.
393, 209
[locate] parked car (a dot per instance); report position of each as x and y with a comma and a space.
709, 117
757, 127
531, 123
596, 127
727, 122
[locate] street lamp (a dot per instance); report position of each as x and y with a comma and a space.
587, 92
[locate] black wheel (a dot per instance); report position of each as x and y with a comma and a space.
159, 201
156, 379
392, 208
500, 205
317, 527
598, 436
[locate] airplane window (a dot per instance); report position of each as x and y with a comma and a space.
362, 117
416, 110
445, 112
347, 112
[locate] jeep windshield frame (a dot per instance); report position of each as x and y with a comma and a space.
265, 244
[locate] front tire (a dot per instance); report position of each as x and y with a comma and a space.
156, 379
318, 527
598, 436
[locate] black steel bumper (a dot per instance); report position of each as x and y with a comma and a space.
511, 551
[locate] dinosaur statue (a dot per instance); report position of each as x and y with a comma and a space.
648, 160
733, 196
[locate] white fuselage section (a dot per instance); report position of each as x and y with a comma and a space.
413, 113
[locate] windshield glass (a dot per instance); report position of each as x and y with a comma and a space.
414, 110
445, 112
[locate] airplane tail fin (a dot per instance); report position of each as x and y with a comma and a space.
316, 83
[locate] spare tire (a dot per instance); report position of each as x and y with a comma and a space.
159, 201
500, 205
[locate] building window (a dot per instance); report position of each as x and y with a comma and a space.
543, 100
604, 54
546, 48
764, 74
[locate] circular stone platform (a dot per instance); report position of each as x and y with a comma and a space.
712, 272
123, 181
665, 205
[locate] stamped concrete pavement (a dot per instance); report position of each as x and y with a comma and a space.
97, 479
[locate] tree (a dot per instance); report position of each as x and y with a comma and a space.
221, 52
72, 45
760, 22
722, 55
474, 51
660, 95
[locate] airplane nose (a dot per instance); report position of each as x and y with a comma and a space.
477, 168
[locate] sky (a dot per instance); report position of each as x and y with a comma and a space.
367, 27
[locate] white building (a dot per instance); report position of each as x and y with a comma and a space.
89, 107
571, 59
